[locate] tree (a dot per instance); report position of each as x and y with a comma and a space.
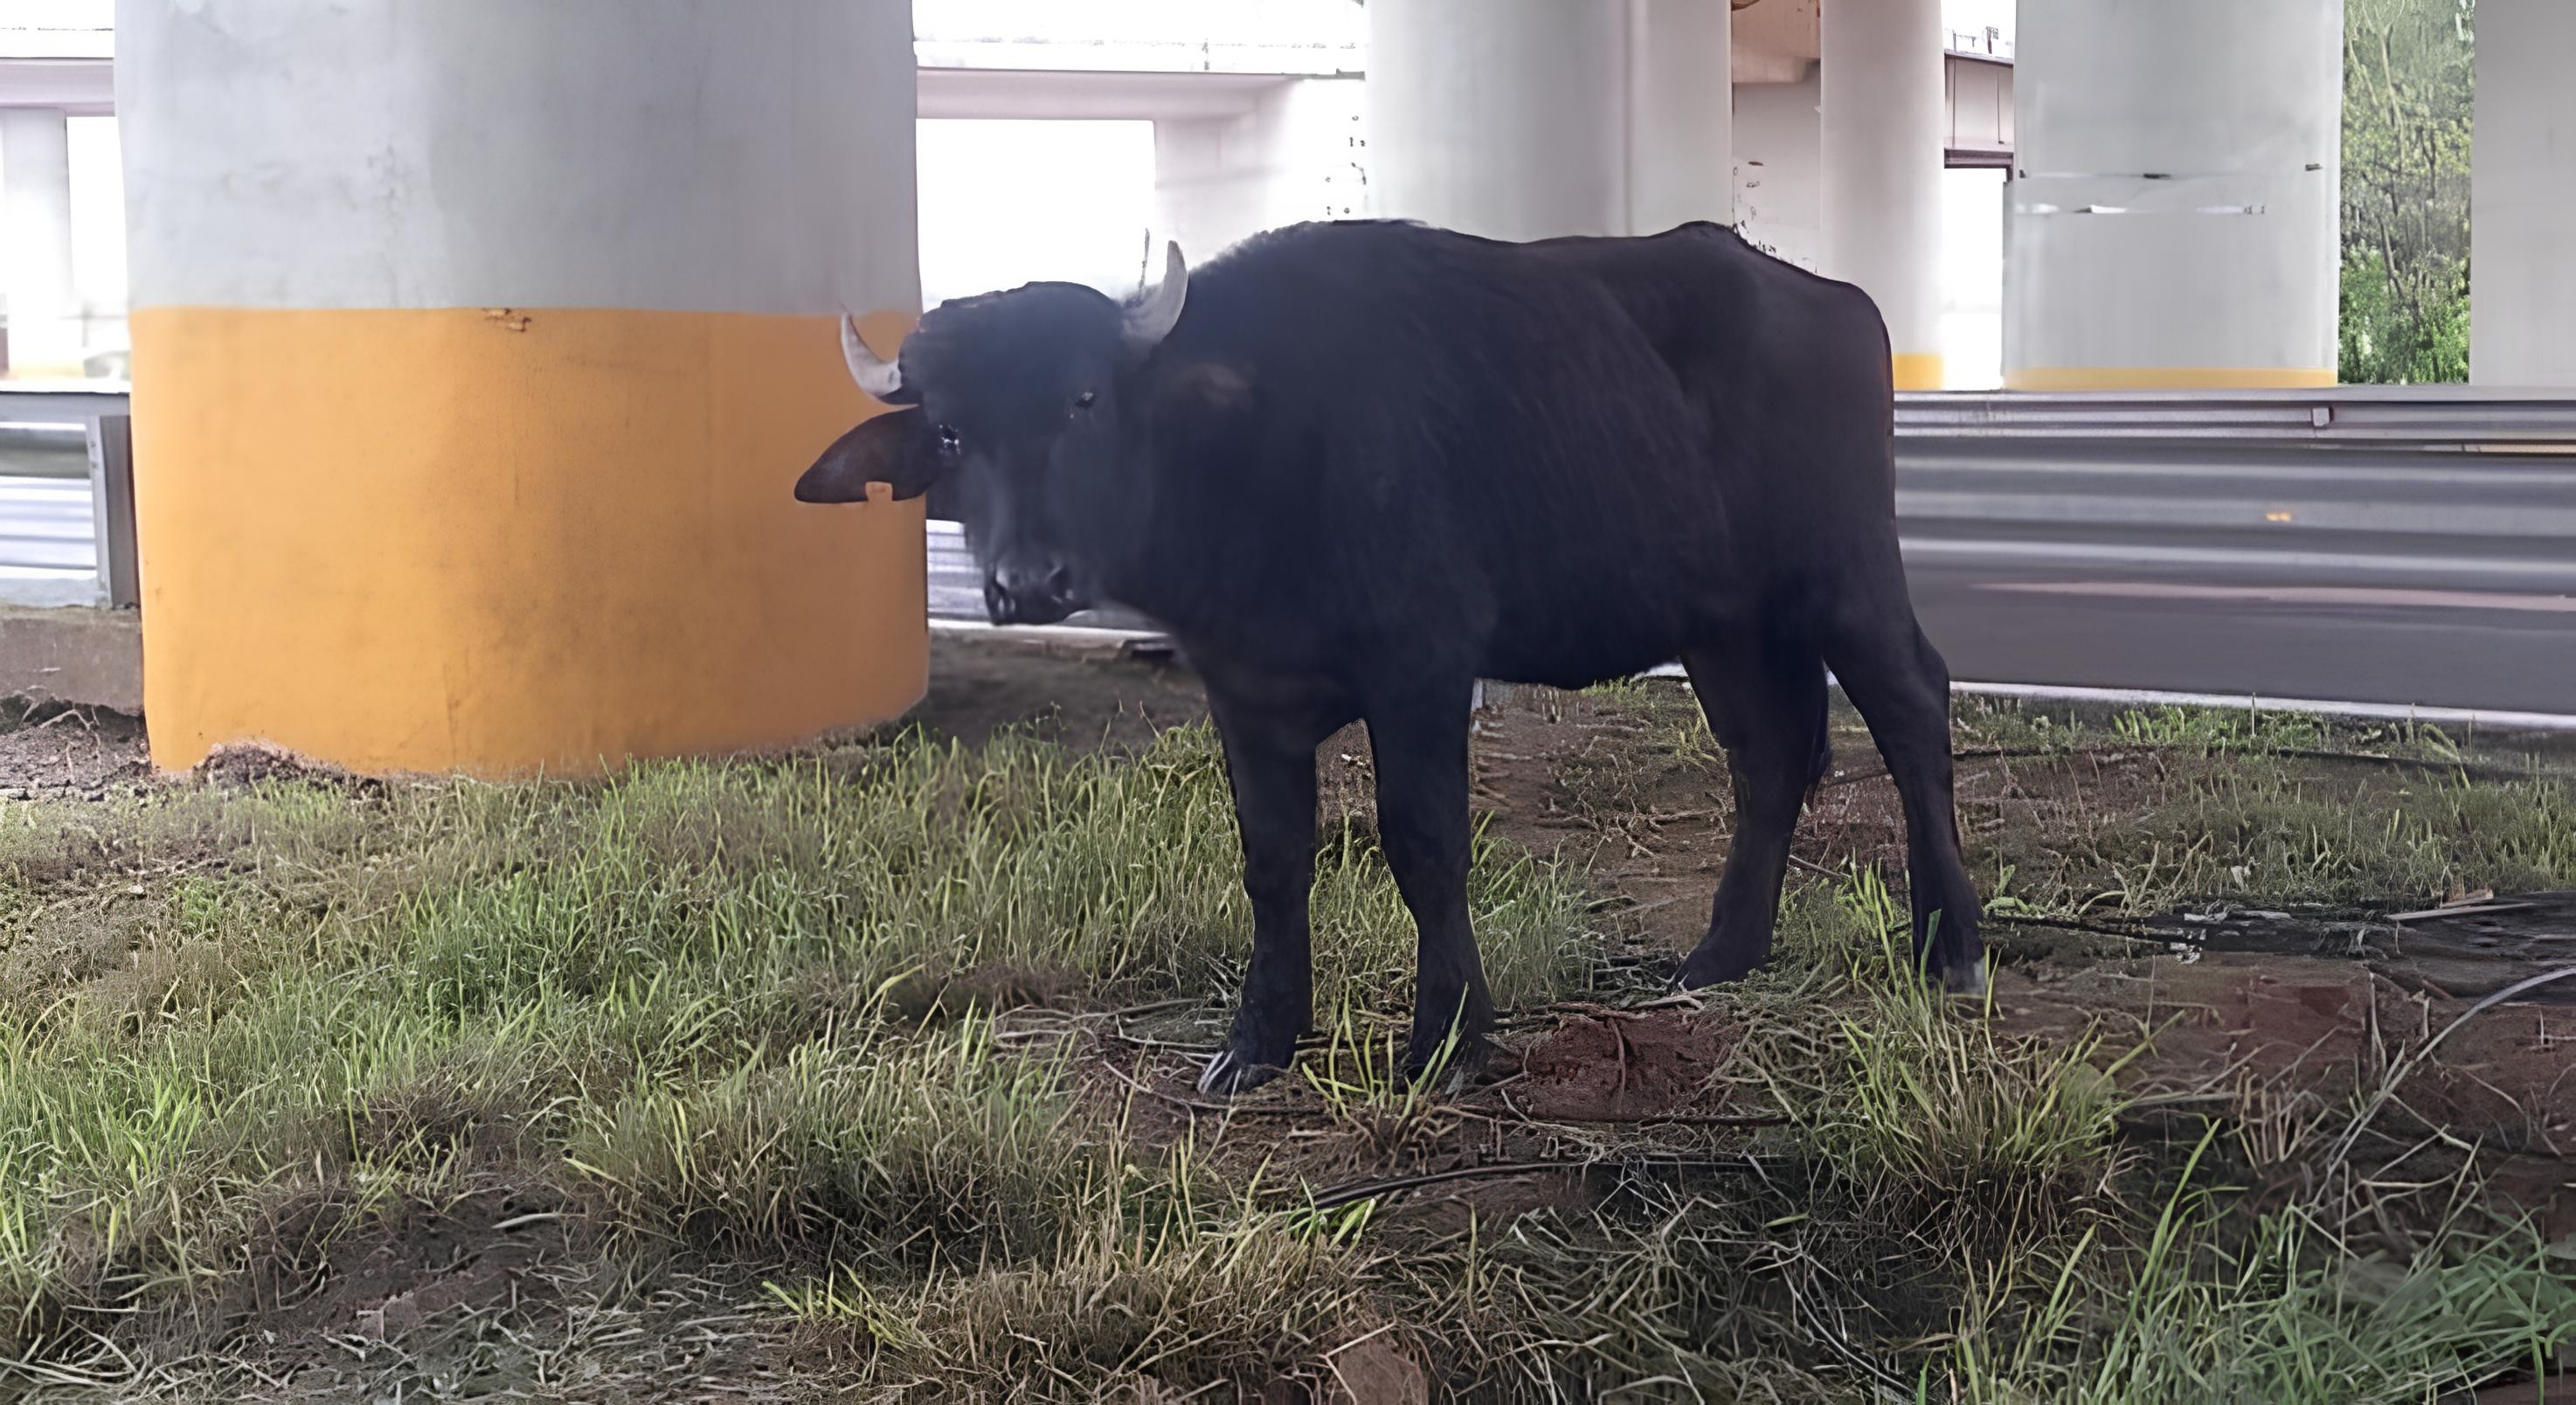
2408, 111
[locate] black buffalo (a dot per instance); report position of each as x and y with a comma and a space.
1355, 467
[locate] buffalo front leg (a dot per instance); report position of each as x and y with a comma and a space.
1270, 760
1419, 742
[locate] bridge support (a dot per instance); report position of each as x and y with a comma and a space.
44, 312
1883, 119
1527, 119
2522, 296
2174, 195
477, 347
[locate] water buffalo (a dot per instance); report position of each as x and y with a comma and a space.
1354, 467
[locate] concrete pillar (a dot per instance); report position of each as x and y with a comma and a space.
1881, 148
1528, 119
1295, 156
2174, 201
1779, 201
1681, 114
477, 347
2522, 292
36, 244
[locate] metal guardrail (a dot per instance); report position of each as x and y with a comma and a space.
42, 520
2445, 488
2469, 418
2424, 486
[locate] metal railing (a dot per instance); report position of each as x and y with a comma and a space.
2366, 486
2441, 486
64, 541
2456, 417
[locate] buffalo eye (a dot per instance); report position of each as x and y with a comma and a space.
1082, 403
949, 443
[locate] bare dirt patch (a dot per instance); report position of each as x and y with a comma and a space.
1081, 695
61, 754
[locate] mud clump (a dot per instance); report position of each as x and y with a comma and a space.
1616, 1067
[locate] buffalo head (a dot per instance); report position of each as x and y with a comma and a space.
1010, 405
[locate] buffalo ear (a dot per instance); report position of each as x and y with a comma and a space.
898, 448
1197, 405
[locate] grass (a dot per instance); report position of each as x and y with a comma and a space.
893, 1154
1191, 1298
792, 1070
2280, 1317
682, 997
2245, 830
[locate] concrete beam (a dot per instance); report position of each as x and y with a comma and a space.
990, 79
81, 87
1093, 94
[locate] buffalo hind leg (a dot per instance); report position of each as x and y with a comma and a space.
1902, 687
1270, 761
1765, 700
1419, 741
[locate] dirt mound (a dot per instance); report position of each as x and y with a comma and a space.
1617, 1066
247, 764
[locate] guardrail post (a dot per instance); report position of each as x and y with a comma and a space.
111, 487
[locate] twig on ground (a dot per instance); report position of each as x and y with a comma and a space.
1653, 1119
1369, 1190
2014, 919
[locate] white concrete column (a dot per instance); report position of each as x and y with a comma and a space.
1527, 119
2175, 194
1681, 114
1293, 157
1779, 200
36, 244
1882, 155
2522, 215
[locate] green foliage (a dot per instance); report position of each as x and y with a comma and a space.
2407, 118
2385, 342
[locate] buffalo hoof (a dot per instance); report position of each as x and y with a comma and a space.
1239, 1070
1442, 1061
1713, 963
1968, 980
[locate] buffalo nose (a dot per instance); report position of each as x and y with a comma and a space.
1013, 596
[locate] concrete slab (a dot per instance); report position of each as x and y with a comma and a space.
93, 658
